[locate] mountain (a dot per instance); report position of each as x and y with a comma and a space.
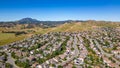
34, 21
45, 24
28, 20
37, 22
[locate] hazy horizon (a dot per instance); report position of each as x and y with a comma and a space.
58, 20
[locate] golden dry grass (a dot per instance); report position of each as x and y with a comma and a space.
6, 38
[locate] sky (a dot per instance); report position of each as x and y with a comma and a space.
57, 10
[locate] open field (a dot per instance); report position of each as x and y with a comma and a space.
6, 38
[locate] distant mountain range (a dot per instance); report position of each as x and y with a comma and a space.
31, 20
35, 22
42, 23
48, 23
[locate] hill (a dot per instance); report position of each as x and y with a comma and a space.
8, 33
79, 26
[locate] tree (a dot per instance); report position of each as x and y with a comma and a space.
8, 65
14, 56
22, 64
60, 66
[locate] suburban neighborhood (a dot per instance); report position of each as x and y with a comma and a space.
87, 49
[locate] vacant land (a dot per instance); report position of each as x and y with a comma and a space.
6, 38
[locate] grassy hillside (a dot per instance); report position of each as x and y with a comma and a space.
73, 27
6, 38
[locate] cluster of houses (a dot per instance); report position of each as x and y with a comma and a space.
40, 51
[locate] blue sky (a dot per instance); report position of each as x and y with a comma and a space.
108, 10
